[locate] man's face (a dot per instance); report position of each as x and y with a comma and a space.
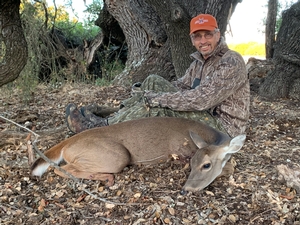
205, 41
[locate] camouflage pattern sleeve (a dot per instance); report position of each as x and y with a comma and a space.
220, 79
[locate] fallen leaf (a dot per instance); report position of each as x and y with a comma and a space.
287, 197
232, 218
59, 205
167, 220
81, 198
175, 156
109, 205
137, 195
171, 211
209, 193
42, 205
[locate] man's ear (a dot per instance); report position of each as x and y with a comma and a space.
219, 35
192, 40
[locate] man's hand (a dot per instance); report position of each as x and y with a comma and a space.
149, 98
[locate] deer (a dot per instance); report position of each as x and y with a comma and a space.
99, 153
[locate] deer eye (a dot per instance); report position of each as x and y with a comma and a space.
206, 166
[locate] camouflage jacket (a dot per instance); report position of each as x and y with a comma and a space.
218, 84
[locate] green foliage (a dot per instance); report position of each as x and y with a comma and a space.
93, 10
111, 70
250, 48
102, 82
77, 30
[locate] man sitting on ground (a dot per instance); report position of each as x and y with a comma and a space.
215, 89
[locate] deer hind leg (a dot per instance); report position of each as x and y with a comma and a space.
76, 171
99, 161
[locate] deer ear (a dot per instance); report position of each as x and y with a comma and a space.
199, 142
235, 144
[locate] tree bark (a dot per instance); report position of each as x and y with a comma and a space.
284, 80
13, 45
147, 47
157, 34
270, 28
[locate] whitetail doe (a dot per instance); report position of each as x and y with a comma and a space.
98, 153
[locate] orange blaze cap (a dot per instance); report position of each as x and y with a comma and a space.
203, 22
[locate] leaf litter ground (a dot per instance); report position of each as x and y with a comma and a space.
255, 194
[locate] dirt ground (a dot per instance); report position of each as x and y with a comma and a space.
257, 193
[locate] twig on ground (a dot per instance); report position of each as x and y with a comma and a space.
35, 134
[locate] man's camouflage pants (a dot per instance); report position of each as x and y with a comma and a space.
135, 107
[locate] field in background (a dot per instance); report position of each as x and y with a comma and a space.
250, 49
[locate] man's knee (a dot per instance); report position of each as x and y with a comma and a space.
151, 80
158, 84
153, 77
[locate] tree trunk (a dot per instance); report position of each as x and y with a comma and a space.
13, 46
148, 50
157, 34
284, 80
270, 28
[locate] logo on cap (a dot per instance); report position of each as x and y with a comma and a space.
201, 21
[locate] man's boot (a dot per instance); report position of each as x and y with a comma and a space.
90, 111
76, 122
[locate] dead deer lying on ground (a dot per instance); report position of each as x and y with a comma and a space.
98, 153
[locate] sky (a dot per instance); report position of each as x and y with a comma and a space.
246, 22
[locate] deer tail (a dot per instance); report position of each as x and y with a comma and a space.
39, 167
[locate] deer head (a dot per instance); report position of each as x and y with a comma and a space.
209, 160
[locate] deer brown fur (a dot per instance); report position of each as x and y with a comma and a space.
100, 152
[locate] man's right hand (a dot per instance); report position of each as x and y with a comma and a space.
149, 98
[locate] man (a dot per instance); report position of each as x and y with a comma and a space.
214, 89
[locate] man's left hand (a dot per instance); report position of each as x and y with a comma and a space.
150, 101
